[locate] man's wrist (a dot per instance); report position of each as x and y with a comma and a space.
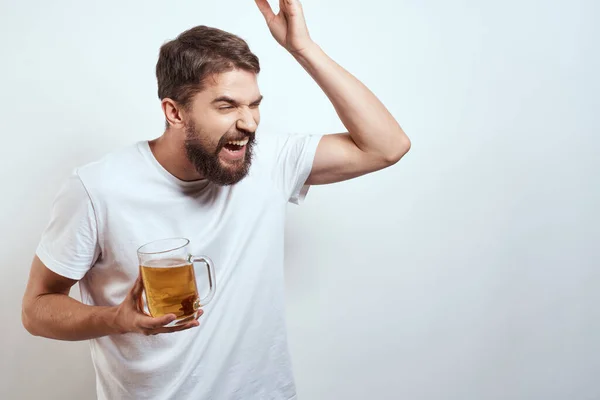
111, 319
306, 52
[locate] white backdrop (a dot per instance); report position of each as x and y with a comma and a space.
467, 271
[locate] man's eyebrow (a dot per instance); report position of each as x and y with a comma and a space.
233, 102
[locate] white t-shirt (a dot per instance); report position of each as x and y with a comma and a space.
108, 208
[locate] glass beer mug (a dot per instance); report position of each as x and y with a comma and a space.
169, 280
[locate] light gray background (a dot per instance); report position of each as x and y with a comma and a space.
467, 271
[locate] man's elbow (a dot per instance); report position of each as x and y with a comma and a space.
27, 320
397, 151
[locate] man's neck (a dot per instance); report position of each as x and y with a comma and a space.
171, 155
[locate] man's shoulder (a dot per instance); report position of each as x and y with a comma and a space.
111, 166
269, 145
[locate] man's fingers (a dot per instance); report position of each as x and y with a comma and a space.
146, 322
265, 9
291, 7
154, 323
172, 329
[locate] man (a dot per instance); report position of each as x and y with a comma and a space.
210, 179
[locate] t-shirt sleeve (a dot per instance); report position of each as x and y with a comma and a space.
294, 155
69, 244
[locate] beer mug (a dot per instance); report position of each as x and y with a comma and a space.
169, 280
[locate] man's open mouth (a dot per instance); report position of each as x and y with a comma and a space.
236, 145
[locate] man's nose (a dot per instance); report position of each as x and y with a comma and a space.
246, 122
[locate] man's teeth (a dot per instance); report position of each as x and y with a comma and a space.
239, 142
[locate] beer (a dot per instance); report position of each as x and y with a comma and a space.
170, 287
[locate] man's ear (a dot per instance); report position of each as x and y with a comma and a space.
174, 113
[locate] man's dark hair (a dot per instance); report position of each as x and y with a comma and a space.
185, 63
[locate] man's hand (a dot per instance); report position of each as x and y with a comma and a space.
48, 311
288, 27
374, 139
130, 318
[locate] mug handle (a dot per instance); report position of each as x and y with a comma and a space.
212, 284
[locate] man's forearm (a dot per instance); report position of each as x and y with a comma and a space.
370, 124
58, 316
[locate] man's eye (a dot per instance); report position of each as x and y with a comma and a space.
225, 108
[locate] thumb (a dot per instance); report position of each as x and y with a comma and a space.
136, 290
135, 295
265, 9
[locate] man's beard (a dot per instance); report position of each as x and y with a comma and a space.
208, 163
